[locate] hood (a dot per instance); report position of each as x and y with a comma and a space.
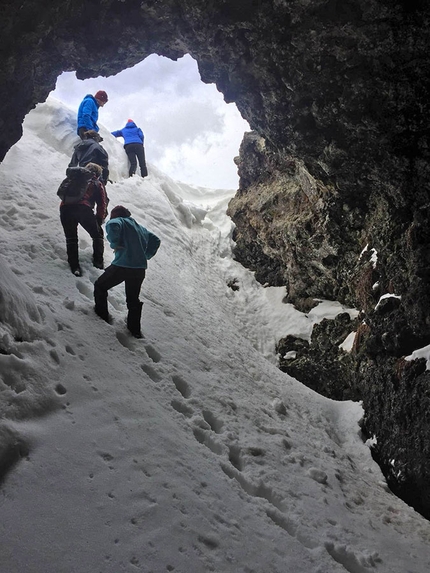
86, 143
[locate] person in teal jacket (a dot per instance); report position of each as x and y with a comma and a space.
133, 246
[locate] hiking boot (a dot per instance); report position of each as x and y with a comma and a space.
133, 319
73, 257
103, 314
77, 271
98, 250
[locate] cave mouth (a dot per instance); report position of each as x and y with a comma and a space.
191, 133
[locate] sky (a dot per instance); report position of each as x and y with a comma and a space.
187, 451
191, 134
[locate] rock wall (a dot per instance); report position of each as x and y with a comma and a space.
334, 195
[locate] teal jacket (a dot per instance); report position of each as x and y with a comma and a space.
133, 244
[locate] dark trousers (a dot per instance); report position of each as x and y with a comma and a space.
114, 276
136, 152
73, 215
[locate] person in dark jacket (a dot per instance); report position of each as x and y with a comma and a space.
89, 150
88, 112
82, 213
133, 145
133, 246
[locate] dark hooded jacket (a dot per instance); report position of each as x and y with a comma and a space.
90, 151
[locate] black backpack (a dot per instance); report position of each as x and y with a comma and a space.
73, 187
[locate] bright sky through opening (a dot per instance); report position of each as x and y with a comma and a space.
190, 132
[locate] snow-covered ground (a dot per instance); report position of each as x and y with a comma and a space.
187, 451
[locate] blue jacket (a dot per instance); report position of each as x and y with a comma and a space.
88, 113
131, 133
133, 244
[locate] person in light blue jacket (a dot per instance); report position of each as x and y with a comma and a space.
133, 145
88, 112
133, 246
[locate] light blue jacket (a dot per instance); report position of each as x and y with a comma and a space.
131, 133
88, 113
133, 244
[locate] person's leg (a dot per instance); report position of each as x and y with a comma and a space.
69, 221
140, 152
133, 283
98, 251
81, 132
131, 154
89, 222
112, 276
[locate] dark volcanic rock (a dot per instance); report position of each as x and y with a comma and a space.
323, 365
334, 198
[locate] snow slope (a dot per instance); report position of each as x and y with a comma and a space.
188, 450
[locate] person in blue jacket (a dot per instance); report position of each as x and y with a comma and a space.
133, 246
133, 145
88, 112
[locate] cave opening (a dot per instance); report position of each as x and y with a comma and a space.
191, 133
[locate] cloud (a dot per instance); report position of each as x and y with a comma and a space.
190, 132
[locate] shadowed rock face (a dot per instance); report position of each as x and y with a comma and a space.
334, 192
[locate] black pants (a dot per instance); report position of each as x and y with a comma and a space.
136, 152
73, 215
114, 276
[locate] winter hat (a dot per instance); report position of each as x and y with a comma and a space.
102, 96
94, 168
93, 134
119, 211
130, 120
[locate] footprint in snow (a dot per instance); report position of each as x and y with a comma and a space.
215, 424
54, 355
153, 354
60, 389
182, 408
207, 439
84, 289
181, 386
126, 340
151, 372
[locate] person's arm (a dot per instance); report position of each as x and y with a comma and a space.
117, 133
113, 233
105, 175
102, 202
140, 134
101, 158
153, 245
74, 160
